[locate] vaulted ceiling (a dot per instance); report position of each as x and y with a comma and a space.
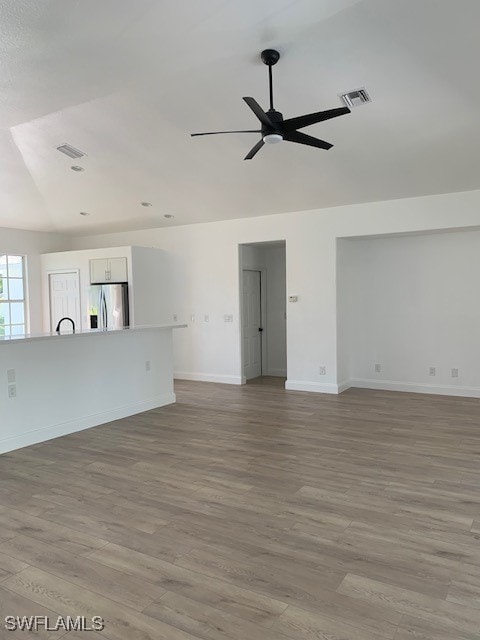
127, 81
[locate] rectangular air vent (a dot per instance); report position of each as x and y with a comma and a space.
355, 98
70, 151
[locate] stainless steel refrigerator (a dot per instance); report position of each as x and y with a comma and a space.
108, 306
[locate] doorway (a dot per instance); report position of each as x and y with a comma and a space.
64, 293
252, 323
263, 309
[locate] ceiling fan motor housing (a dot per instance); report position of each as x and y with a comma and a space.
276, 118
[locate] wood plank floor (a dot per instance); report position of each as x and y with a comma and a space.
252, 513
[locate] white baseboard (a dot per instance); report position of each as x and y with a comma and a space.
208, 377
343, 386
415, 387
315, 387
83, 422
278, 373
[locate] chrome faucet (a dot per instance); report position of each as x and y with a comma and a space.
60, 322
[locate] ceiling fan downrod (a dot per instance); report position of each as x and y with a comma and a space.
270, 57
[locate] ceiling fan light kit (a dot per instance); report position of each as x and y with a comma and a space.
272, 138
274, 128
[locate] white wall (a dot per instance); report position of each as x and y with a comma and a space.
411, 303
207, 281
345, 310
31, 244
66, 384
151, 290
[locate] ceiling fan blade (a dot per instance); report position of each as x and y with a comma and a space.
313, 118
216, 133
254, 150
258, 111
302, 138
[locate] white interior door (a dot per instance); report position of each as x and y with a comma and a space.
252, 324
64, 299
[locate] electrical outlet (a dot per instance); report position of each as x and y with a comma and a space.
12, 390
454, 373
11, 376
175, 317
322, 370
378, 368
431, 371
147, 365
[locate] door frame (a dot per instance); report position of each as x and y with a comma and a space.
263, 317
52, 272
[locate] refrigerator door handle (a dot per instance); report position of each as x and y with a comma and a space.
126, 313
102, 309
105, 315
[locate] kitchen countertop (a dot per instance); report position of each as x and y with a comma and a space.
31, 337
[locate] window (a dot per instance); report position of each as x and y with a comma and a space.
12, 295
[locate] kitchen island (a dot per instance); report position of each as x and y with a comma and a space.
53, 385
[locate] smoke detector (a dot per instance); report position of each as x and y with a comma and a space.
355, 98
70, 151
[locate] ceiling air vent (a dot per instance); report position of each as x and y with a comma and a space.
70, 151
355, 98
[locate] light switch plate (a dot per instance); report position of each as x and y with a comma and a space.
11, 376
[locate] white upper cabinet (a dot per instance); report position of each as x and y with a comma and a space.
104, 270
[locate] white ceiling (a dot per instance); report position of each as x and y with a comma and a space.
127, 81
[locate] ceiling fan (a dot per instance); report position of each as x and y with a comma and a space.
274, 128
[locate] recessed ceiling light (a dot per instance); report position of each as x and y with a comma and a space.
75, 167
146, 204
84, 213
168, 216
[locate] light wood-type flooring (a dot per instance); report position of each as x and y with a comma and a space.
252, 513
